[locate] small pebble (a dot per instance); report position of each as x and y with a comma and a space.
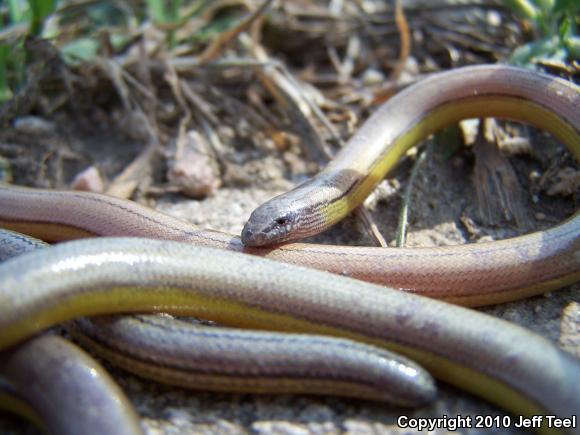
494, 18
192, 169
534, 175
33, 125
89, 180
372, 76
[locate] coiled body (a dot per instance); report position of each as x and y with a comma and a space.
63, 390
223, 359
472, 274
503, 363
541, 100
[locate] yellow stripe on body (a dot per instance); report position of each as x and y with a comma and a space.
179, 302
454, 111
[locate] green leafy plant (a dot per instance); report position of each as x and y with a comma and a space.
556, 24
5, 92
170, 15
40, 10
166, 12
22, 18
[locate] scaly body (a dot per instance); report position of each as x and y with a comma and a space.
226, 359
503, 363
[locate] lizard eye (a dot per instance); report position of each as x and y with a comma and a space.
282, 220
